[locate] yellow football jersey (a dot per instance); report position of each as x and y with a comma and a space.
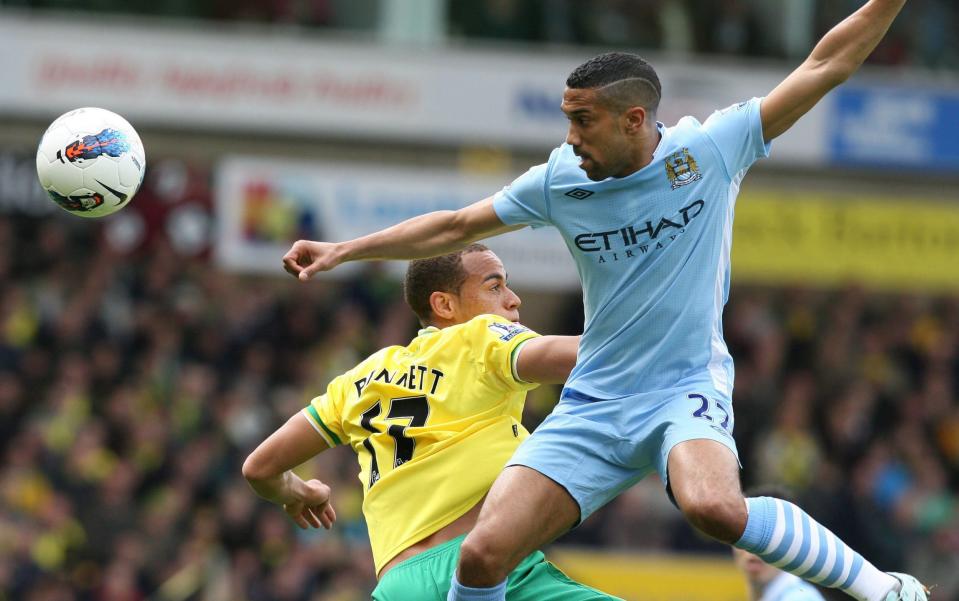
432, 423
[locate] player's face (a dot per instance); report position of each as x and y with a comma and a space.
596, 134
485, 290
755, 569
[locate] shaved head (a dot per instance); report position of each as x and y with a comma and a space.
621, 80
624, 94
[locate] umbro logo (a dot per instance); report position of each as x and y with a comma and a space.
579, 193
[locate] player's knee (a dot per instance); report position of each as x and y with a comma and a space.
722, 518
481, 562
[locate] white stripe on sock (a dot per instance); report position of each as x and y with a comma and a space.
813, 550
797, 540
850, 556
780, 529
830, 559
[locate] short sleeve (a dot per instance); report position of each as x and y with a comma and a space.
524, 201
737, 132
325, 414
497, 341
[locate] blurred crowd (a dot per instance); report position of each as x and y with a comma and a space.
923, 36
134, 380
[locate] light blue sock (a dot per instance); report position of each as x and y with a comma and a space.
458, 592
784, 536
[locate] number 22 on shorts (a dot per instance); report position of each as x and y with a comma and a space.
703, 411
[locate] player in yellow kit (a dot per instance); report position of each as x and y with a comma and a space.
432, 424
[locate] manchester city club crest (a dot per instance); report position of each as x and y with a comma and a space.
681, 169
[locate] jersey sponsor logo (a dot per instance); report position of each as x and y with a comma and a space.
682, 169
507, 332
636, 235
579, 194
637, 240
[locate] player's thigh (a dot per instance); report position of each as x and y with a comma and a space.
699, 463
688, 433
536, 579
580, 448
702, 469
523, 511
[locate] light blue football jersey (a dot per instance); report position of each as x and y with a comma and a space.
652, 251
787, 587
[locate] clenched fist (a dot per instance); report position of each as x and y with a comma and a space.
312, 506
307, 257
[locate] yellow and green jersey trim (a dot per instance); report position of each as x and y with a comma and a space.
328, 435
512, 361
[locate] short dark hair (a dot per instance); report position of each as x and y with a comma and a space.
625, 80
444, 273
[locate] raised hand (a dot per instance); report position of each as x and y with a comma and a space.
306, 258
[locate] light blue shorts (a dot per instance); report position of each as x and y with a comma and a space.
597, 448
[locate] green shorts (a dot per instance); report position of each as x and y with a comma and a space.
427, 576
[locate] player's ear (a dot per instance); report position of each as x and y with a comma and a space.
443, 305
635, 118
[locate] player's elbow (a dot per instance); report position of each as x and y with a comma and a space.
833, 71
460, 228
257, 467
838, 74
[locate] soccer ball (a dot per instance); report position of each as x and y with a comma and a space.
91, 162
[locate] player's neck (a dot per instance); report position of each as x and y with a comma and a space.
643, 153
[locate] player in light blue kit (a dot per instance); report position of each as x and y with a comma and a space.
646, 211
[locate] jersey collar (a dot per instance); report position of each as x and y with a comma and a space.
427, 330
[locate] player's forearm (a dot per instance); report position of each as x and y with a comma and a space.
847, 45
547, 359
428, 235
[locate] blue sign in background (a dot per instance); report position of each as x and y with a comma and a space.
895, 127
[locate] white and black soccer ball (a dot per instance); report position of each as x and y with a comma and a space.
91, 162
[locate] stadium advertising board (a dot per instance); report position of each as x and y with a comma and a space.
896, 127
283, 84
263, 206
779, 237
653, 577
790, 238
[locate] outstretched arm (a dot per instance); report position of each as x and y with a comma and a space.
267, 469
834, 59
547, 359
424, 236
